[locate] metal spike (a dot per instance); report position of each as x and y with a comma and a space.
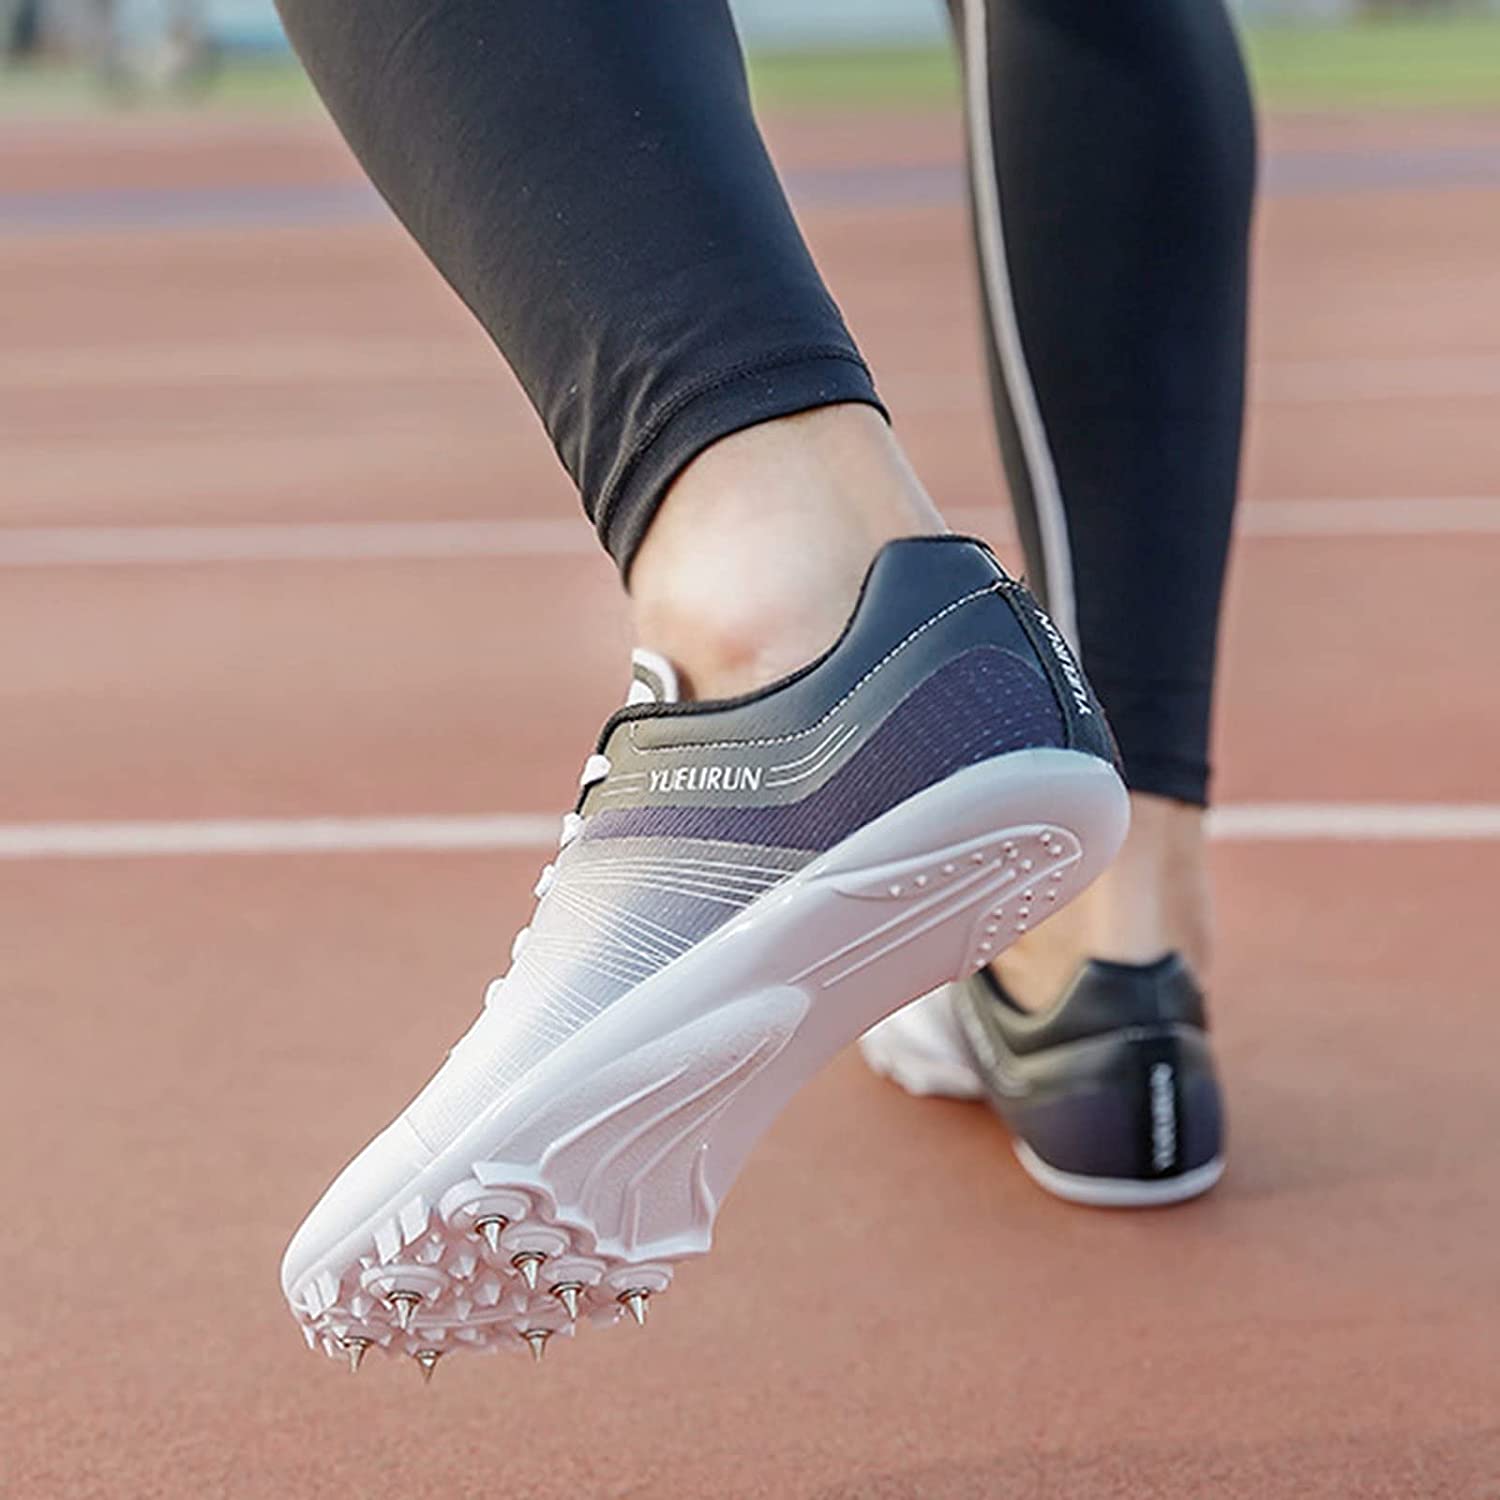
492, 1228
527, 1263
404, 1305
428, 1359
635, 1302
356, 1349
567, 1293
537, 1339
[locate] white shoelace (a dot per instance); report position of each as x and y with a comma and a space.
595, 769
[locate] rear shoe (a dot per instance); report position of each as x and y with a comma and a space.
744, 887
1110, 1095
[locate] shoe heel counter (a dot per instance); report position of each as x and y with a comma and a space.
1085, 725
1178, 1112
1139, 1106
938, 643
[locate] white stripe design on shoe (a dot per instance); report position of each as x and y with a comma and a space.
814, 761
1046, 493
1118, 1192
635, 932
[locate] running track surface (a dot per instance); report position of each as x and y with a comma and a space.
193, 1044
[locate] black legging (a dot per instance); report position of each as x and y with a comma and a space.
588, 176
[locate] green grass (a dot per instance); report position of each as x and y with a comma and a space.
909, 78
1449, 62
1444, 62
900, 78
272, 84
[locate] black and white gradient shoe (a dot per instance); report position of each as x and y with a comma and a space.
744, 887
1110, 1095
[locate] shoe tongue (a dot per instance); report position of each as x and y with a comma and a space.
653, 679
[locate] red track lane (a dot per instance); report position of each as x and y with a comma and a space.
893, 1311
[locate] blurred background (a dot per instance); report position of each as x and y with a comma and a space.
1307, 51
302, 639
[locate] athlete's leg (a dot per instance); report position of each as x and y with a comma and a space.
1111, 153
744, 885
1112, 165
590, 179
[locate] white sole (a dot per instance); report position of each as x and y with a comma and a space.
1118, 1192
919, 1050
611, 1157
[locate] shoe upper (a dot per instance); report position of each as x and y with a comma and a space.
1102, 998
1116, 1080
692, 811
945, 662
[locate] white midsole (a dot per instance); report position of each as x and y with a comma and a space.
1118, 1192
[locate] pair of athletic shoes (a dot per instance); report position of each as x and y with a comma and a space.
743, 888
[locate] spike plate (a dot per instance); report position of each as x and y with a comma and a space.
615, 1150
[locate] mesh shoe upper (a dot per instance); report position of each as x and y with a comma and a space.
701, 809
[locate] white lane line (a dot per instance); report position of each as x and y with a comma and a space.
1399, 822
340, 541
1438, 377
567, 536
1452, 516
275, 836
265, 362
293, 361
1245, 822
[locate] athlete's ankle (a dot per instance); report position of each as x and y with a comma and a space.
754, 561
1154, 900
